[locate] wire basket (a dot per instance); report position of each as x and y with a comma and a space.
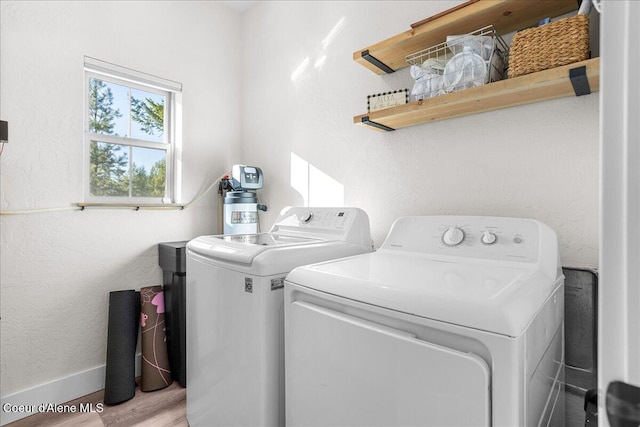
462, 62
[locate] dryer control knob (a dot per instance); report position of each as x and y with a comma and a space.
488, 238
453, 236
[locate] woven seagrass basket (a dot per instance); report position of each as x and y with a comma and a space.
557, 43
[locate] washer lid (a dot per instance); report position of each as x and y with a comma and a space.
501, 299
318, 229
243, 248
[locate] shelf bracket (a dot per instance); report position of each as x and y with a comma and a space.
372, 59
579, 81
366, 121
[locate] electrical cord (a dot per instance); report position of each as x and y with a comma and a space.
137, 208
216, 182
29, 211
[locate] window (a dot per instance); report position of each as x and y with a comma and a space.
131, 141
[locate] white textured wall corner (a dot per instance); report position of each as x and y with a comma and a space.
538, 161
57, 269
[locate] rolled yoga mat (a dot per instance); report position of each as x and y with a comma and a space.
122, 338
156, 372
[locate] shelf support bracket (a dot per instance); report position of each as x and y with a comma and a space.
579, 81
366, 121
372, 59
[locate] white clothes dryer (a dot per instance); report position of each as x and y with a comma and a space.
454, 321
235, 313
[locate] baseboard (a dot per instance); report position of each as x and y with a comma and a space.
54, 392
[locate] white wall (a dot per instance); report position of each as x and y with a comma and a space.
538, 161
57, 269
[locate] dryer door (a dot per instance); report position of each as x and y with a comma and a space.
343, 370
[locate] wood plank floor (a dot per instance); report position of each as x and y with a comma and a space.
167, 408
160, 408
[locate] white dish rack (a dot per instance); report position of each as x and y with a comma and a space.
462, 62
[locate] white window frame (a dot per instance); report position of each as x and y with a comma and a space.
172, 136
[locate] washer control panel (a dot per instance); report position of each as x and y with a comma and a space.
327, 223
324, 219
497, 238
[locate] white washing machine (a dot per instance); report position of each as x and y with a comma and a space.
454, 321
235, 313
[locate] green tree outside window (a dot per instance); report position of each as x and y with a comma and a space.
113, 171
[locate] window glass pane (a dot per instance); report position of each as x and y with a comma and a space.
108, 108
128, 141
148, 172
109, 169
147, 115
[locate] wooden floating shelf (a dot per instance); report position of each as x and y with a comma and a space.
505, 15
541, 86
